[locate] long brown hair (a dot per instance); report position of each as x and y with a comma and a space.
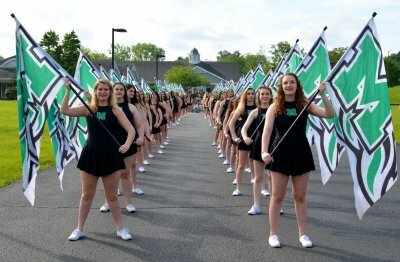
300, 98
111, 99
258, 99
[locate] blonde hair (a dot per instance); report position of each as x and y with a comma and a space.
242, 103
94, 104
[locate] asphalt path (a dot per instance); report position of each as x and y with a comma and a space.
188, 214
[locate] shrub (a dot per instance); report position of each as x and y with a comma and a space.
11, 93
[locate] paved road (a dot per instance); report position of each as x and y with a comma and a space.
188, 214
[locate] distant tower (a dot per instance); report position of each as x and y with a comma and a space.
194, 57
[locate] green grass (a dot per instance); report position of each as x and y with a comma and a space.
10, 154
394, 94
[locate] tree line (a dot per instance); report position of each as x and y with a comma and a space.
66, 53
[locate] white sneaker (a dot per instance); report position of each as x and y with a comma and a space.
213, 144
254, 210
219, 146
252, 181
124, 234
105, 208
131, 208
264, 192
151, 156
234, 181
236, 193
247, 170
305, 241
119, 193
160, 152
141, 169
76, 235
274, 241
282, 212
221, 156
209, 124
146, 162
166, 142
226, 162
162, 146
230, 170
137, 191
219, 151
173, 124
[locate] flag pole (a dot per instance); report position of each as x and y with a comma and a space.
297, 118
94, 115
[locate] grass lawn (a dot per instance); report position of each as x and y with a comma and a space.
10, 154
394, 94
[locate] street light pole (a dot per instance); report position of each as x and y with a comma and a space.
158, 56
120, 30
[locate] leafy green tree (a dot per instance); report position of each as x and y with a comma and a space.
70, 51
51, 43
122, 53
236, 56
335, 54
181, 59
392, 71
94, 55
1, 58
146, 52
277, 52
185, 76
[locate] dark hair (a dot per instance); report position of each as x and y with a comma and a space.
126, 98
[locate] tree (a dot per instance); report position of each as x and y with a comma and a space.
185, 76
146, 52
335, 54
70, 52
236, 56
1, 58
278, 51
94, 55
51, 43
392, 71
181, 59
122, 53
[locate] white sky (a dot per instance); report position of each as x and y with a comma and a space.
209, 25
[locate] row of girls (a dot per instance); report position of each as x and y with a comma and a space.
251, 126
135, 120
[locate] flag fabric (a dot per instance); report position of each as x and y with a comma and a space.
39, 78
129, 76
124, 80
313, 69
289, 64
114, 77
267, 78
86, 74
358, 88
258, 77
104, 73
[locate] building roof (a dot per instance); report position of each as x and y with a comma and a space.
7, 69
147, 69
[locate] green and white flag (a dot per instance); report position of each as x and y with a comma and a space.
258, 77
86, 75
124, 80
115, 78
39, 78
314, 68
129, 76
358, 89
289, 65
104, 73
267, 78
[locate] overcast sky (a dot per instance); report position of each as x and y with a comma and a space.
209, 25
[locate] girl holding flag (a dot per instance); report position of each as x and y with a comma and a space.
100, 156
293, 157
264, 100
